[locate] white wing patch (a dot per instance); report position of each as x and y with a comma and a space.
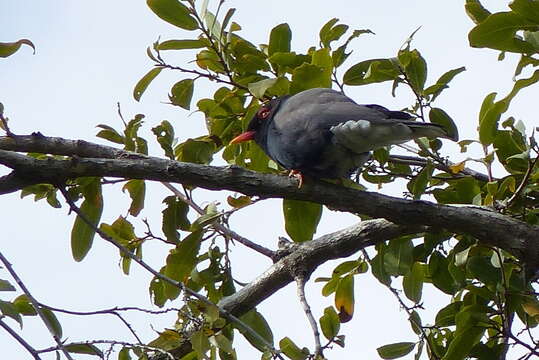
362, 136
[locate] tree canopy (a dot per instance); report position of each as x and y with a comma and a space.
467, 229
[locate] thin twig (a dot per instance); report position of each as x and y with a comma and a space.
524, 181
409, 311
165, 278
113, 311
20, 340
3, 121
113, 343
212, 44
300, 285
35, 304
220, 227
209, 76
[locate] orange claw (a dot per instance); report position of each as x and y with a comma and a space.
298, 175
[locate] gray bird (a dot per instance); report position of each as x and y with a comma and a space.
324, 134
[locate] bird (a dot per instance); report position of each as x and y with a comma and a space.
322, 133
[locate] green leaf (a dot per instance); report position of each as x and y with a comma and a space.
419, 184
280, 37
440, 117
8, 49
181, 44
439, 273
490, 113
257, 323
143, 83
137, 193
124, 354
415, 322
396, 350
322, 58
82, 234
344, 298
222, 343
446, 316
227, 17
528, 9
173, 12
287, 61
181, 261
258, 89
498, 31
329, 323
378, 268
291, 350
441, 84
476, 11
461, 191
308, 76
198, 151
213, 26
301, 219
371, 71
399, 256
87, 349
110, 134
182, 93
52, 322
168, 339
8, 309
174, 218
208, 60
415, 68
413, 283
6, 286
331, 32
463, 342
165, 137
200, 343
481, 268
24, 306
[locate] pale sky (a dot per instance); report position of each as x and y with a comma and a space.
89, 55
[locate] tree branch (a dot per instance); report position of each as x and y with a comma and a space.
307, 256
487, 226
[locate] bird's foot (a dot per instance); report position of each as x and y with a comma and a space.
298, 175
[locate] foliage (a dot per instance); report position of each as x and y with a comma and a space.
489, 287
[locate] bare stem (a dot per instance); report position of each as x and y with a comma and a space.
300, 283
20, 340
524, 182
113, 311
225, 231
35, 304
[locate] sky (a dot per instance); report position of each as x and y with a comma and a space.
89, 56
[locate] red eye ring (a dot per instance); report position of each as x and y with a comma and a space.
263, 113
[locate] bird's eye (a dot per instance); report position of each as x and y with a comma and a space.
263, 113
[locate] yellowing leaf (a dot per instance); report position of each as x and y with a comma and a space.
531, 308
458, 167
344, 298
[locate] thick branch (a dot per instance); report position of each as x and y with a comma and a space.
306, 257
488, 226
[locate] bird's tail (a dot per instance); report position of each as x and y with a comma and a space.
430, 130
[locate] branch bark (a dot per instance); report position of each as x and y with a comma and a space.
488, 226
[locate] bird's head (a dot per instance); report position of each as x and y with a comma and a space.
258, 124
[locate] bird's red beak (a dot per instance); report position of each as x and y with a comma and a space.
246, 136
